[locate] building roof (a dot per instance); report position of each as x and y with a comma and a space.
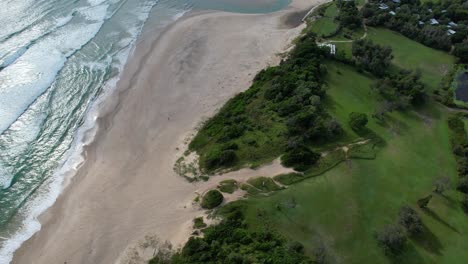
434, 21
392, 13
451, 32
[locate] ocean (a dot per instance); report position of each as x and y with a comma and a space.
58, 60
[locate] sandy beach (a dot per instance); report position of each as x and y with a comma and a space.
127, 187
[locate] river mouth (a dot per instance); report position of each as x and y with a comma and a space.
461, 92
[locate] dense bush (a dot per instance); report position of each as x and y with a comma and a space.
464, 203
371, 57
300, 158
410, 220
462, 185
401, 89
461, 51
217, 158
409, 15
357, 121
348, 15
392, 239
231, 241
212, 199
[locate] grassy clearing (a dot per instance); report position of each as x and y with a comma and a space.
344, 207
326, 25
409, 54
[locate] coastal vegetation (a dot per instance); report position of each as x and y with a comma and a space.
375, 156
212, 199
281, 113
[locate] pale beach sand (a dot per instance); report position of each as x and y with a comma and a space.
127, 187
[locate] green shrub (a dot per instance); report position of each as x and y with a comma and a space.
464, 203
217, 158
198, 223
212, 199
228, 186
249, 189
300, 158
289, 178
357, 121
463, 185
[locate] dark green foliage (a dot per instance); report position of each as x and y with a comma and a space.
232, 242
464, 203
217, 158
357, 121
401, 89
462, 185
461, 51
300, 158
441, 185
349, 15
371, 57
283, 106
212, 199
410, 220
198, 223
392, 239
409, 15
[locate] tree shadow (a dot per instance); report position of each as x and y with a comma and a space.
427, 240
436, 217
449, 201
409, 255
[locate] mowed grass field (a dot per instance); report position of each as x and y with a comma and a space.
326, 25
409, 54
344, 207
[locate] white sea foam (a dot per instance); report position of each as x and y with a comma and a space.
49, 192
31, 74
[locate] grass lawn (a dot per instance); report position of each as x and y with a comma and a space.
409, 54
326, 25
345, 206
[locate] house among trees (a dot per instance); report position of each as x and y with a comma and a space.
451, 32
392, 13
396, 1
434, 21
383, 6
452, 24
332, 48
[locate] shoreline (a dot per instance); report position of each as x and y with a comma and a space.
126, 189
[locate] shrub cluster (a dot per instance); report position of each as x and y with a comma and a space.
372, 57
231, 241
212, 199
348, 16
401, 89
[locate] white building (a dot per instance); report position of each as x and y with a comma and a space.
434, 21
392, 13
451, 32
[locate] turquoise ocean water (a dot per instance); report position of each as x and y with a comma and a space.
58, 58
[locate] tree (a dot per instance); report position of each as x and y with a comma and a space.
423, 202
372, 57
392, 239
357, 121
212, 199
461, 51
441, 185
464, 203
463, 185
300, 158
410, 220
